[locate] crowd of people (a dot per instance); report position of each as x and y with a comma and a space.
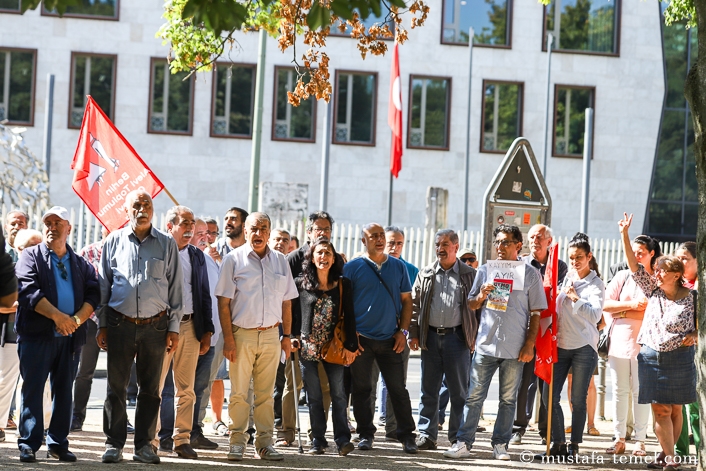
185, 309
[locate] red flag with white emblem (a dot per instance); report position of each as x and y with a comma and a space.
394, 114
546, 343
107, 168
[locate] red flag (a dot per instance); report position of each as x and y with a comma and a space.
545, 345
107, 168
394, 114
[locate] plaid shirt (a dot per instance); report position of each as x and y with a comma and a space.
92, 254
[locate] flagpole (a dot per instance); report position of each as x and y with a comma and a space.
389, 198
467, 167
550, 40
170, 195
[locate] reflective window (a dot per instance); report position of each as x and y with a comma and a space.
292, 122
17, 73
490, 20
233, 100
368, 22
429, 112
171, 100
570, 105
10, 6
502, 115
583, 25
92, 75
93, 9
355, 108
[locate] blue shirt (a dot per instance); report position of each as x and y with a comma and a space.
412, 271
64, 287
376, 311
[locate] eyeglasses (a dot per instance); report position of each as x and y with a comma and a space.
213, 233
64, 273
503, 243
468, 259
325, 230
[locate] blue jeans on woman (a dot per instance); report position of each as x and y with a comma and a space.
583, 362
339, 402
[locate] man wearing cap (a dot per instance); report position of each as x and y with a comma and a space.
141, 285
468, 257
58, 291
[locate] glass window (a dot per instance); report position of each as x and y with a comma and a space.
171, 100
429, 112
92, 75
355, 108
583, 25
665, 218
17, 86
292, 122
490, 20
233, 100
502, 115
9, 6
570, 105
368, 22
94, 9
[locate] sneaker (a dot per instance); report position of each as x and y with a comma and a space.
457, 451
235, 453
220, 428
202, 443
346, 448
112, 455
166, 445
425, 443
146, 455
269, 453
2, 435
516, 439
365, 444
500, 452
130, 428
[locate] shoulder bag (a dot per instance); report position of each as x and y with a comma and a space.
332, 351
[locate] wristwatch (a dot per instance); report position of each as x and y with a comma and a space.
77, 319
404, 332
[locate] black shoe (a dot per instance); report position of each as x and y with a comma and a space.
166, 444
202, 443
76, 426
544, 440
2, 435
61, 454
185, 451
425, 443
480, 429
27, 455
130, 428
409, 446
251, 440
316, 450
572, 449
346, 448
555, 450
391, 437
365, 444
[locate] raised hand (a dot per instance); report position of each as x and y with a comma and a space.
624, 224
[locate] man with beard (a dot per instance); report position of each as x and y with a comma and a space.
14, 222
233, 228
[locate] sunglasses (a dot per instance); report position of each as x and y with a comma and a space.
64, 273
468, 259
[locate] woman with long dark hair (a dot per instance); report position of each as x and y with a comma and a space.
320, 287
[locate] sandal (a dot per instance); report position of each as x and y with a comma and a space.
658, 462
593, 431
618, 448
220, 428
639, 449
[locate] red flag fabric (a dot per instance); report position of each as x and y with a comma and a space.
107, 168
545, 344
394, 114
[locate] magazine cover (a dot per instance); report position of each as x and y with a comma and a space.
500, 296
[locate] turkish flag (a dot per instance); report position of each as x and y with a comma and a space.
107, 168
545, 344
394, 114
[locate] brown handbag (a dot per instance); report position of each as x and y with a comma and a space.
332, 351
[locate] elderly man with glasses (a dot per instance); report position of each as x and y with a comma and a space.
58, 291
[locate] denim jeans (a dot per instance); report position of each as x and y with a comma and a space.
391, 366
86, 370
582, 361
201, 381
310, 375
444, 355
40, 359
145, 345
482, 370
444, 399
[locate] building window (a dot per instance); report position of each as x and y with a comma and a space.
91, 9
10, 6
429, 112
233, 100
589, 26
355, 108
171, 100
371, 20
292, 122
17, 74
91, 75
570, 105
490, 19
502, 115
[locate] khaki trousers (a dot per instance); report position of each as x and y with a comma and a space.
185, 359
257, 354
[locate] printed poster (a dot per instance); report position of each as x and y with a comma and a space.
512, 270
500, 296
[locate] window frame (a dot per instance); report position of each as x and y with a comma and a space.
13, 12
81, 16
557, 86
508, 27
619, 22
33, 98
192, 91
314, 107
449, 98
74, 54
214, 85
486, 82
375, 110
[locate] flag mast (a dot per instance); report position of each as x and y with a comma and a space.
394, 120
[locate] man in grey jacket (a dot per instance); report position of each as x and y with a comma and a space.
445, 329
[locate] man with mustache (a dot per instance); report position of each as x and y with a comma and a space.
195, 329
445, 329
14, 222
141, 284
233, 228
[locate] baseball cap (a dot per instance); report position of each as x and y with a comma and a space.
466, 251
60, 211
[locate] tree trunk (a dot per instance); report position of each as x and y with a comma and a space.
695, 92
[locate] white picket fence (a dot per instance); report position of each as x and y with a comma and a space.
418, 248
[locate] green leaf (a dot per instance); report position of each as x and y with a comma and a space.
375, 7
398, 3
342, 9
318, 17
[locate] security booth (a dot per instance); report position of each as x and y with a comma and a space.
517, 196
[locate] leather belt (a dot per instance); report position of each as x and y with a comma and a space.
444, 330
143, 321
186, 317
262, 328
